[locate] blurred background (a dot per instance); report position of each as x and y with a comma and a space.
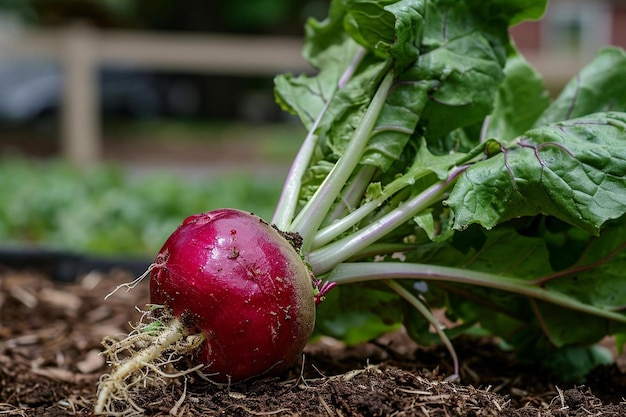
120, 117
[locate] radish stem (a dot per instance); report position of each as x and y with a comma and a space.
286, 206
313, 213
428, 315
327, 257
347, 273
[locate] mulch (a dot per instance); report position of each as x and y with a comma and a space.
50, 364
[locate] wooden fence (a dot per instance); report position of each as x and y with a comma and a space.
81, 49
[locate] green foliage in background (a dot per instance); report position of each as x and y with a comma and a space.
107, 211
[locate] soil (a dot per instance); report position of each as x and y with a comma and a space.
50, 335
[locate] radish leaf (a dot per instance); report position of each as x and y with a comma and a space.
573, 170
598, 87
522, 88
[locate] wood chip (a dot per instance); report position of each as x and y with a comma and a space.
66, 300
93, 361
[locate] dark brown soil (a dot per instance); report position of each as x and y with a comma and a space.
50, 337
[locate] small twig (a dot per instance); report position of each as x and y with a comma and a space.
326, 407
263, 413
10, 409
562, 398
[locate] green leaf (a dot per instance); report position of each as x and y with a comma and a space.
573, 363
573, 170
558, 323
308, 96
354, 327
322, 38
522, 88
420, 330
603, 248
328, 48
369, 24
396, 124
513, 11
358, 314
450, 85
426, 222
598, 87
463, 58
605, 284
348, 106
620, 341
387, 28
506, 253
409, 23
500, 251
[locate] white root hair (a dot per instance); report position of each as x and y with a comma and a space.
142, 359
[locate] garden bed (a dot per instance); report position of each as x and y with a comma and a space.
50, 334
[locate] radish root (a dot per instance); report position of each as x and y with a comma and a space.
130, 285
141, 359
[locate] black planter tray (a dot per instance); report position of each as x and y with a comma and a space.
64, 265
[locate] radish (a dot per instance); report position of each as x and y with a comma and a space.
241, 284
239, 299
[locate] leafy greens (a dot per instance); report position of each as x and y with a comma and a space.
438, 171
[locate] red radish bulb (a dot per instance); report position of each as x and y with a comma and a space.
231, 276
